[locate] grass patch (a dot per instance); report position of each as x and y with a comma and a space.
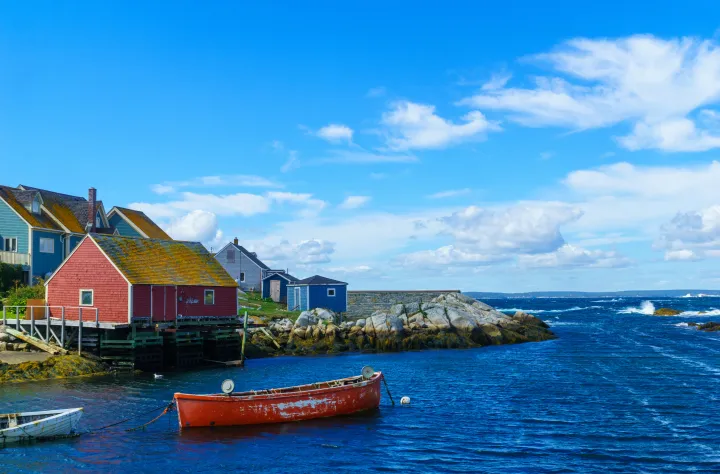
265, 309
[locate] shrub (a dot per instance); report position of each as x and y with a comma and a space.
10, 276
19, 295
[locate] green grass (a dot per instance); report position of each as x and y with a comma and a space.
266, 309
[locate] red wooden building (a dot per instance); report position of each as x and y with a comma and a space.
129, 279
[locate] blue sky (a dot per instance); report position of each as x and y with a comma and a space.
508, 147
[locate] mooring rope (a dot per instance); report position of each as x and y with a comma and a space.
388, 390
166, 407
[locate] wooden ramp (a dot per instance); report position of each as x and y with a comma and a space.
42, 345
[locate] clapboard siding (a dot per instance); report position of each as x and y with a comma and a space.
122, 226
242, 264
46, 263
11, 225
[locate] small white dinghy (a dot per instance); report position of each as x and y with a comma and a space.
36, 425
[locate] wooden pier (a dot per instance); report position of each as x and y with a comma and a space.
142, 344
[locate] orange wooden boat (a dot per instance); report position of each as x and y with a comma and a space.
303, 402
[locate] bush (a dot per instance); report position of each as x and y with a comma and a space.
19, 295
10, 276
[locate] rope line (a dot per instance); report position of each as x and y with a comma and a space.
167, 410
388, 390
130, 419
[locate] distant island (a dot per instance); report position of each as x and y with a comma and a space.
596, 294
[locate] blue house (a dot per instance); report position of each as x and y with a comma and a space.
274, 286
40, 228
317, 292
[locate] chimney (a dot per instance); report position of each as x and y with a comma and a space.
235, 241
92, 209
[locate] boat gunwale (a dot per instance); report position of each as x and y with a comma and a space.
232, 397
21, 427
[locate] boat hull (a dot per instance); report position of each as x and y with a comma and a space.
45, 425
280, 406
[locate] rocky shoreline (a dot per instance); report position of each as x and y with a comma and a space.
447, 322
57, 367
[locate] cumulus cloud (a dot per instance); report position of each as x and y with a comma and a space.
691, 235
366, 157
658, 86
195, 226
336, 133
354, 202
416, 126
303, 253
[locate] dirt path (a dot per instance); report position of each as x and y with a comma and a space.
20, 357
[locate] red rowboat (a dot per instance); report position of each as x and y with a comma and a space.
304, 402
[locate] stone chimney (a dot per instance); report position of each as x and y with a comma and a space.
92, 208
235, 241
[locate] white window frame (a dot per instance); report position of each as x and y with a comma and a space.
92, 295
334, 292
98, 219
205, 293
46, 240
242, 277
6, 244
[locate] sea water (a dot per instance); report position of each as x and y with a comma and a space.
618, 391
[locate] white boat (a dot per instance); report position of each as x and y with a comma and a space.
36, 425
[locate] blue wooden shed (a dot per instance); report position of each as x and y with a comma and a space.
274, 286
317, 292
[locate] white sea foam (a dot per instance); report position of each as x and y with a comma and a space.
532, 311
682, 325
699, 295
709, 312
614, 300
647, 307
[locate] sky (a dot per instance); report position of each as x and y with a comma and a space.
393, 145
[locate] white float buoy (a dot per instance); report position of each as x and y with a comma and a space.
405, 401
157, 376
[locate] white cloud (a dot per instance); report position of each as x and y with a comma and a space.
238, 180
654, 84
354, 202
365, 157
196, 226
416, 126
447, 255
303, 253
356, 270
497, 81
450, 193
291, 163
546, 155
570, 256
312, 206
336, 133
691, 235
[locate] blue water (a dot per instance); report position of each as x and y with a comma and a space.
619, 391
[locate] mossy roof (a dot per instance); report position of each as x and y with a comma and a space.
163, 262
16, 198
144, 223
71, 211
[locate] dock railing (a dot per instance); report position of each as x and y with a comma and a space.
47, 319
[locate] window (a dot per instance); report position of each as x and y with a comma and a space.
98, 220
331, 291
231, 255
10, 244
47, 245
86, 297
209, 296
36, 205
242, 276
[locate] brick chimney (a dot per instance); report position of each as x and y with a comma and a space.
92, 208
235, 241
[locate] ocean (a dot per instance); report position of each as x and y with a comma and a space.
618, 391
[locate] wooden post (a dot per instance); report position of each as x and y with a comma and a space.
47, 324
242, 348
79, 331
62, 328
32, 320
97, 318
4, 315
17, 318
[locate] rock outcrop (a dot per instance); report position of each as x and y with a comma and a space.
710, 326
54, 367
451, 320
666, 312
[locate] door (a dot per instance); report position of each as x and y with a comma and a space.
275, 290
159, 302
296, 301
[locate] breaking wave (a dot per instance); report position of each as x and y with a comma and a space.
710, 312
646, 307
532, 311
699, 295
614, 300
